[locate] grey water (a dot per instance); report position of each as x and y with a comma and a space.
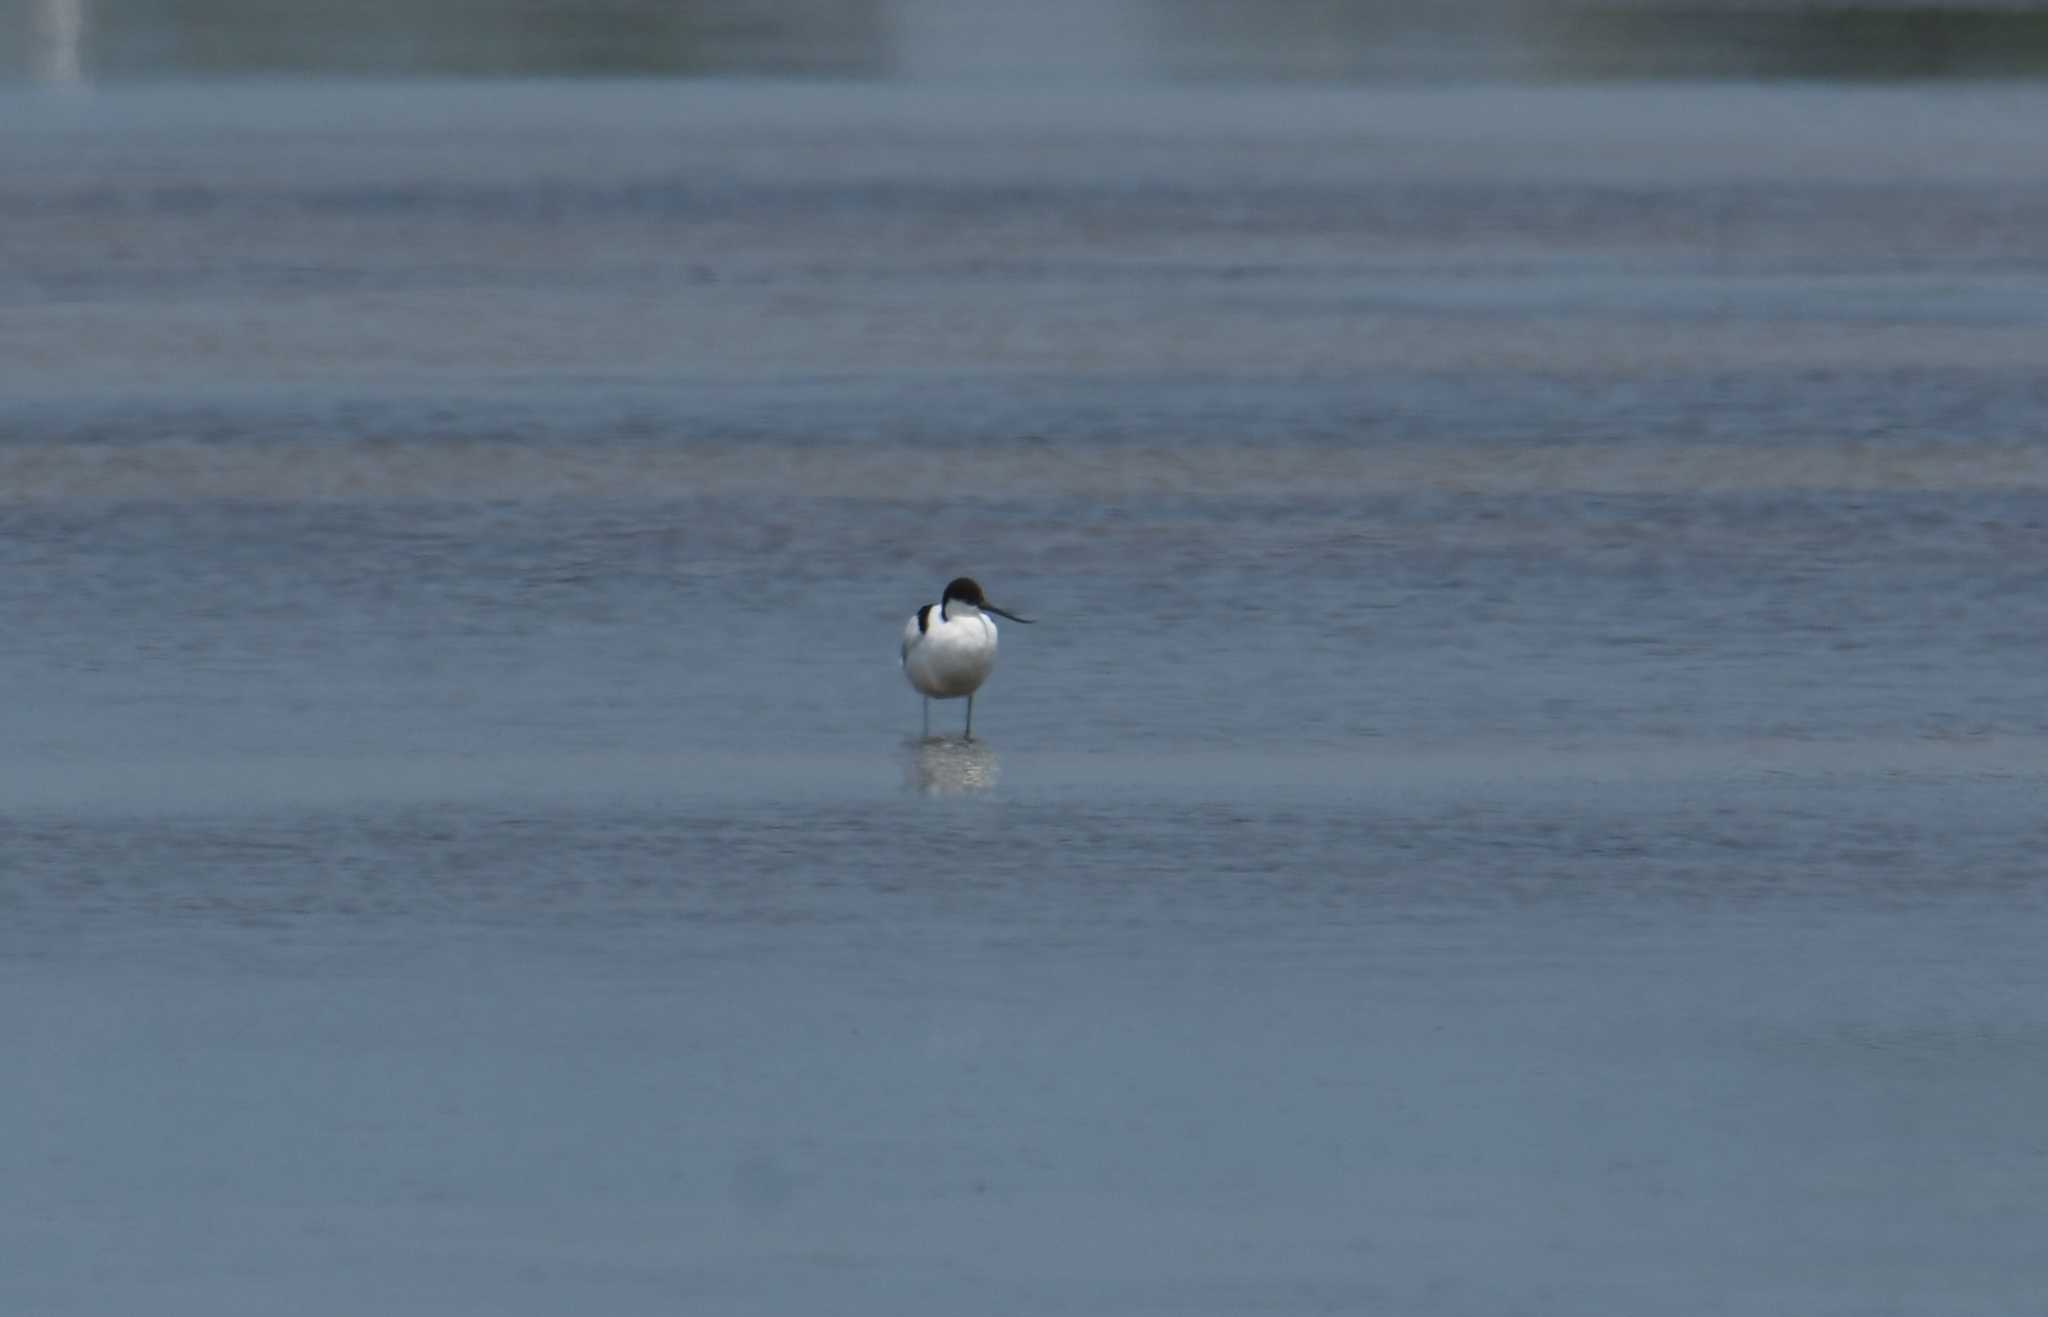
1524, 794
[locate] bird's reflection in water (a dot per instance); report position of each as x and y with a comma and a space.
940, 766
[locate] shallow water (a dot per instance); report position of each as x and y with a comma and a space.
1524, 794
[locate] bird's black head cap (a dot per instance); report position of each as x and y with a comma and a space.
965, 590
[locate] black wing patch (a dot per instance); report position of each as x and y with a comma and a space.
924, 617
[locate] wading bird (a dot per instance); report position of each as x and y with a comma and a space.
949, 648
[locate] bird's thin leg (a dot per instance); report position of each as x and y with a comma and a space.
927, 718
968, 735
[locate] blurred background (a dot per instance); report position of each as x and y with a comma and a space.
1142, 40
1523, 795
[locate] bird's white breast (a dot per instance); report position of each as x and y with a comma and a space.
951, 656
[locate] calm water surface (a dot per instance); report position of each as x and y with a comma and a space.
1524, 795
